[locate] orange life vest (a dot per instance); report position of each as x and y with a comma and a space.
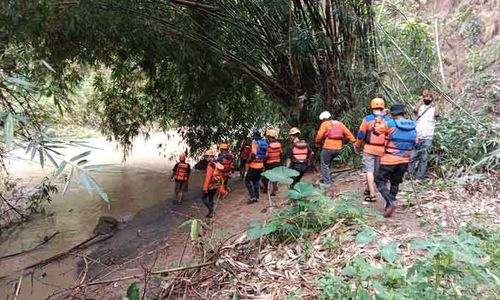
375, 134
181, 173
217, 177
335, 132
274, 153
300, 152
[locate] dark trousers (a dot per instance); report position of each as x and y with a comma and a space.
208, 199
326, 157
265, 181
301, 168
395, 175
252, 182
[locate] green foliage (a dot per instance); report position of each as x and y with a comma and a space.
281, 174
206, 73
455, 267
133, 292
364, 237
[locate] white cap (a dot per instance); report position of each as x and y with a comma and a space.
325, 115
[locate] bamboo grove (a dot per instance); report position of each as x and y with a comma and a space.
214, 70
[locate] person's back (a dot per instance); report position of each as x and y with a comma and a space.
256, 166
298, 155
371, 136
401, 139
272, 159
330, 134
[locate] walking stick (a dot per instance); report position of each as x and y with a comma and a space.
417, 197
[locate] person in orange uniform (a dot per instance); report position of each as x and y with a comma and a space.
272, 160
226, 159
180, 174
298, 154
330, 133
401, 139
213, 182
246, 149
255, 166
371, 134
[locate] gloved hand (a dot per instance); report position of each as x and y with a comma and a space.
204, 194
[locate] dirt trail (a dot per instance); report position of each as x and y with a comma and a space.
153, 237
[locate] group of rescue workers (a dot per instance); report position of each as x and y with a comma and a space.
390, 142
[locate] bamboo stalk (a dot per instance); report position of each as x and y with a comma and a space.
438, 50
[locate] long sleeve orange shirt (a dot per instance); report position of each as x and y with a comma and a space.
329, 143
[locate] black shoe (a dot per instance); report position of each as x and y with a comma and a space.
210, 215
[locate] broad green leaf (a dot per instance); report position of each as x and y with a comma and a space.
302, 190
68, 180
254, 233
349, 271
388, 251
133, 292
363, 295
185, 223
281, 174
60, 169
365, 237
80, 156
381, 290
194, 230
9, 130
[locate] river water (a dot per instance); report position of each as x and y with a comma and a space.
140, 182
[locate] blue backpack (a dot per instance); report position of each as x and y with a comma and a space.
261, 149
402, 140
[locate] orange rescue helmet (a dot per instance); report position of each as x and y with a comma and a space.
224, 146
271, 133
377, 103
182, 157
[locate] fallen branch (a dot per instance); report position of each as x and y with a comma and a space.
23, 216
18, 288
45, 241
87, 243
161, 272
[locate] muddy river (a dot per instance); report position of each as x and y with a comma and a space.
137, 184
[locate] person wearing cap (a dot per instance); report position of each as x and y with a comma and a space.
255, 166
297, 155
226, 159
180, 174
371, 136
401, 138
330, 133
426, 113
212, 183
272, 159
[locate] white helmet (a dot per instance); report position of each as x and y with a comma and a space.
325, 115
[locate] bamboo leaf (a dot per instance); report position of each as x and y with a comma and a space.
42, 160
33, 152
51, 159
9, 130
60, 169
68, 180
185, 223
104, 196
46, 64
79, 156
30, 145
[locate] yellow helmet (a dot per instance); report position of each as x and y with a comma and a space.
224, 147
209, 152
272, 133
294, 131
377, 103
